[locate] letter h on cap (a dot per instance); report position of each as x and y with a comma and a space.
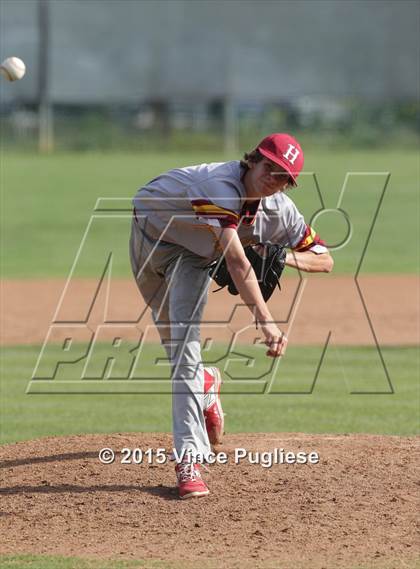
291, 154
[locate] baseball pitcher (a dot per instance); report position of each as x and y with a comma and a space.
231, 221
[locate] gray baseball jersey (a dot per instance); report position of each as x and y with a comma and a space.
191, 206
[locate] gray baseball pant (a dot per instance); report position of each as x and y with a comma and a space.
173, 282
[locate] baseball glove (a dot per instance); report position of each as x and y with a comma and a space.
268, 268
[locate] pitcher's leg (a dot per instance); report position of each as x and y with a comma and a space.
188, 286
178, 298
144, 253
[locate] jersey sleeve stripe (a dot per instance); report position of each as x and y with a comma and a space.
208, 209
309, 239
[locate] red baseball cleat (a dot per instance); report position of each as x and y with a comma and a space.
190, 484
213, 413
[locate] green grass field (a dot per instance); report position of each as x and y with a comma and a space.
56, 562
334, 406
47, 202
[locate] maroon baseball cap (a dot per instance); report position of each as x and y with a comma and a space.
285, 151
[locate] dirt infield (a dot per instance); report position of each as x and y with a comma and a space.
356, 507
308, 309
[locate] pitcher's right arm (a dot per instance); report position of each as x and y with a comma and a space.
246, 282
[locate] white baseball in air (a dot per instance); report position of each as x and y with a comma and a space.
13, 68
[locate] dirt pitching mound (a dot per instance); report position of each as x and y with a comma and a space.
356, 507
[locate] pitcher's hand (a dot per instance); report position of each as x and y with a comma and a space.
275, 339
